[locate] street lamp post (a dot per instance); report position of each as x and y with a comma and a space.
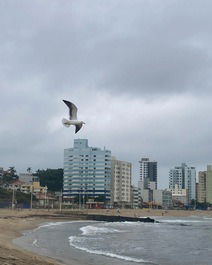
61, 201
13, 198
31, 197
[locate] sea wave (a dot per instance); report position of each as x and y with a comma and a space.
90, 230
179, 221
104, 253
122, 223
207, 218
52, 224
35, 243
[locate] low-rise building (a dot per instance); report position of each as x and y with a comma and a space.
27, 187
167, 199
179, 195
135, 197
146, 195
162, 198
26, 177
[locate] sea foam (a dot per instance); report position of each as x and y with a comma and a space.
90, 230
35, 243
180, 221
52, 224
101, 252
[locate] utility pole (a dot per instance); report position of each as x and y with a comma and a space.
45, 198
13, 198
78, 198
31, 198
60, 202
83, 199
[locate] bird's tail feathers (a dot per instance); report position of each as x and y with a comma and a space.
66, 123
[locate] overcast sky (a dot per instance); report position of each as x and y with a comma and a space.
140, 72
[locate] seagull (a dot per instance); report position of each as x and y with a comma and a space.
72, 117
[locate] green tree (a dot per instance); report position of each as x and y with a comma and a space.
202, 205
29, 169
20, 197
52, 178
100, 198
9, 175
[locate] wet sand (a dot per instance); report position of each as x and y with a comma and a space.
13, 223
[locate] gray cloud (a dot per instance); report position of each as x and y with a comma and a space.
150, 48
140, 72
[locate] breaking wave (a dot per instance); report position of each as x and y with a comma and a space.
52, 224
72, 242
179, 221
90, 230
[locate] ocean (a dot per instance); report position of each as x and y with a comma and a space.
172, 241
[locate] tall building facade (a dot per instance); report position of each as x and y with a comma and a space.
121, 182
148, 172
201, 188
87, 172
185, 178
209, 184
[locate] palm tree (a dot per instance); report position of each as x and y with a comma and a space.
29, 169
12, 171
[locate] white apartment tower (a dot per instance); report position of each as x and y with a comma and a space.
185, 178
121, 182
87, 172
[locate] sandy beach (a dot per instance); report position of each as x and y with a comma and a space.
13, 223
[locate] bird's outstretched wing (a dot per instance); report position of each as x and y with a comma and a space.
78, 127
72, 110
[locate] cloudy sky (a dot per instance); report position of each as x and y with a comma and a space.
140, 72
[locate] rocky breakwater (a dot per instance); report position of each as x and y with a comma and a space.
112, 218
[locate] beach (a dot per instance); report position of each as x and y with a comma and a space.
14, 223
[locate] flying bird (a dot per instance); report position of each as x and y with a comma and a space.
72, 117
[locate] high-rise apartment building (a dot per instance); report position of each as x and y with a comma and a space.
121, 182
201, 187
185, 178
209, 184
148, 172
87, 172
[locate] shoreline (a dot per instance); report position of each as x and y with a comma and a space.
13, 223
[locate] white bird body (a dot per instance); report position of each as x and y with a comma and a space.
71, 122
73, 117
